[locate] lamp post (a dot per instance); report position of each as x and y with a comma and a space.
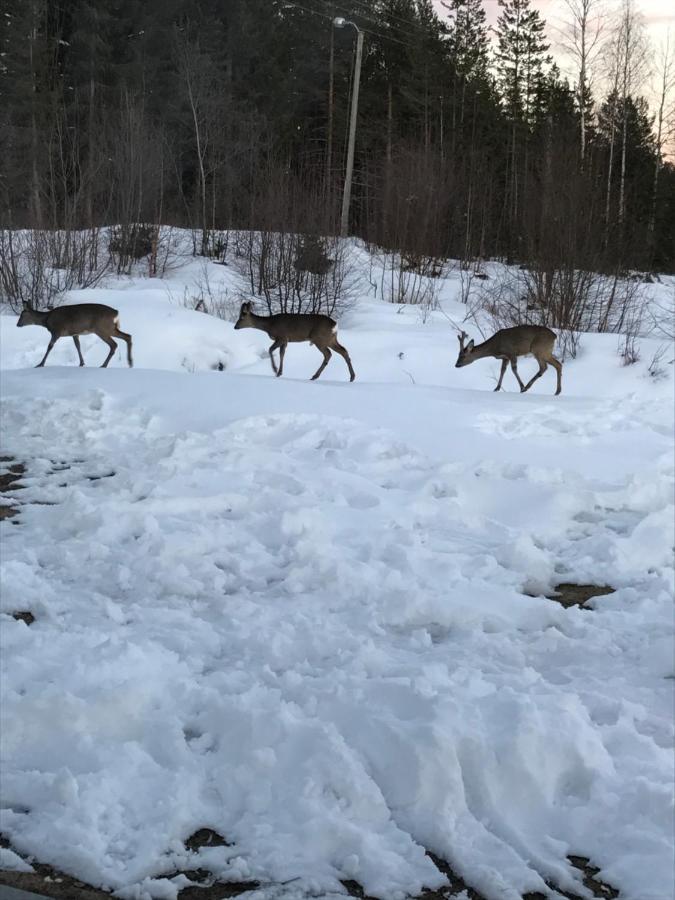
339, 22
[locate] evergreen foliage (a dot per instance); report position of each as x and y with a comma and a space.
234, 114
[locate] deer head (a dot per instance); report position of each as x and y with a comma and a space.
245, 319
465, 352
29, 316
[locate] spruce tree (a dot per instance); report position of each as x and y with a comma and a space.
468, 42
521, 57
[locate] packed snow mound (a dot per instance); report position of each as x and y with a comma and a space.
304, 633
388, 343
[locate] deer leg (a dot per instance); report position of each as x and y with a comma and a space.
76, 341
505, 363
113, 346
557, 365
343, 353
49, 350
125, 337
514, 369
275, 346
543, 365
282, 352
326, 358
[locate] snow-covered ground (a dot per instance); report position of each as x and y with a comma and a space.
311, 616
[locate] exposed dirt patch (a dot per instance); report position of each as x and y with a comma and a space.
591, 880
50, 882
11, 473
205, 837
455, 886
205, 887
568, 594
47, 881
597, 887
10, 476
217, 891
10, 480
24, 616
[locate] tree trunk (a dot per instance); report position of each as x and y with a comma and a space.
329, 136
610, 165
622, 182
36, 201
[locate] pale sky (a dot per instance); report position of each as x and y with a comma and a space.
659, 17
658, 13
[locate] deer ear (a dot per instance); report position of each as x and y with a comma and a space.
469, 346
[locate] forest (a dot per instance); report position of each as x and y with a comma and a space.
233, 114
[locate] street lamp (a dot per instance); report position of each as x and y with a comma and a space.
339, 22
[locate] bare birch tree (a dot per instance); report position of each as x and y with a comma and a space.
665, 116
581, 38
204, 98
632, 53
626, 65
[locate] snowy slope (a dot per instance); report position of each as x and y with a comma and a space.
312, 616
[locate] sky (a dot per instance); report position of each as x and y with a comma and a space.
658, 13
659, 16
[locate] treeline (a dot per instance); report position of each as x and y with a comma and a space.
233, 114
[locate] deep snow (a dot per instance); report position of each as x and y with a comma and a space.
311, 616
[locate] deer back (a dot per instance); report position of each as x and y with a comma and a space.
82, 318
520, 340
295, 327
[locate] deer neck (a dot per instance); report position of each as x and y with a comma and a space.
482, 350
261, 322
39, 317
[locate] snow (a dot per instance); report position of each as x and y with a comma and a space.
13, 862
311, 616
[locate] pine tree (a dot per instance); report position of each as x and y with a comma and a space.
468, 42
521, 57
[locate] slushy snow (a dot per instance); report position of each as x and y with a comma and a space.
313, 616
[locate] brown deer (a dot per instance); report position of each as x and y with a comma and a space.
296, 328
72, 321
510, 343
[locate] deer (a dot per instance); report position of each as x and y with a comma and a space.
285, 328
508, 344
72, 321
